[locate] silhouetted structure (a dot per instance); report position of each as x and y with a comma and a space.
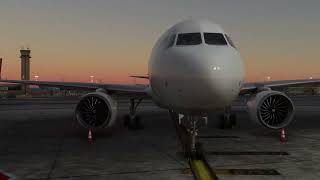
25, 67
0, 68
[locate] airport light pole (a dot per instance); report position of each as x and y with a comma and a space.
92, 79
268, 78
36, 77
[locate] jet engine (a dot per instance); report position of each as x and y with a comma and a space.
96, 110
272, 109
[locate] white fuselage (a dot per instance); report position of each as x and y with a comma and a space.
194, 78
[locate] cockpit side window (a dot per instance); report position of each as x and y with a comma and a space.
171, 40
230, 41
189, 39
214, 39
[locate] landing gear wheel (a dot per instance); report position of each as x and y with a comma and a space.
126, 120
133, 123
195, 154
228, 121
137, 123
233, 120
132, 120
185, 151
199, 151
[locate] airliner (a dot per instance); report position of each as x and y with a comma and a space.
194, 69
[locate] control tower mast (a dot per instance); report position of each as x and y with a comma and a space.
25, 66
0, 68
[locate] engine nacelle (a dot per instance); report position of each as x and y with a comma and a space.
272, 109
96, 110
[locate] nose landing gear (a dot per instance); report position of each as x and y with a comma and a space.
187, 130
187, 127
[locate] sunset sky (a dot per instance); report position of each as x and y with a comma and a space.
112, 39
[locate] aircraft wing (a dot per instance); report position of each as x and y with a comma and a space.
141, 77
256, 86
138, 90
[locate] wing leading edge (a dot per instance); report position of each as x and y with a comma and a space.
141, 90
256, 86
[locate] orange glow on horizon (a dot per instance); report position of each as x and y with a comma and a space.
71, 41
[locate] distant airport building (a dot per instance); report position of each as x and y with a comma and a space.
9, 90
25, 66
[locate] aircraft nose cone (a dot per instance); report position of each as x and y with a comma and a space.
213, 73
197, 77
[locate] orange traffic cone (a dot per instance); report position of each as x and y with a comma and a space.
3, 176
282, 135
90, 136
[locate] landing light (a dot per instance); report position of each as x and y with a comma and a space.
216, 68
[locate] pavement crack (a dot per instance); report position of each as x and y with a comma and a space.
57, 155
114, 173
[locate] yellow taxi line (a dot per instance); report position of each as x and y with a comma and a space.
202, 171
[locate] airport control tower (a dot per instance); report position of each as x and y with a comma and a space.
0, 68
25, 67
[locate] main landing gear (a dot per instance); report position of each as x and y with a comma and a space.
228, 119
132, 120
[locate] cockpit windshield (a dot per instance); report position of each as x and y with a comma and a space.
189, 39
214, 39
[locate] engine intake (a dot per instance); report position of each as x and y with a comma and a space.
96, 110
272, 109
